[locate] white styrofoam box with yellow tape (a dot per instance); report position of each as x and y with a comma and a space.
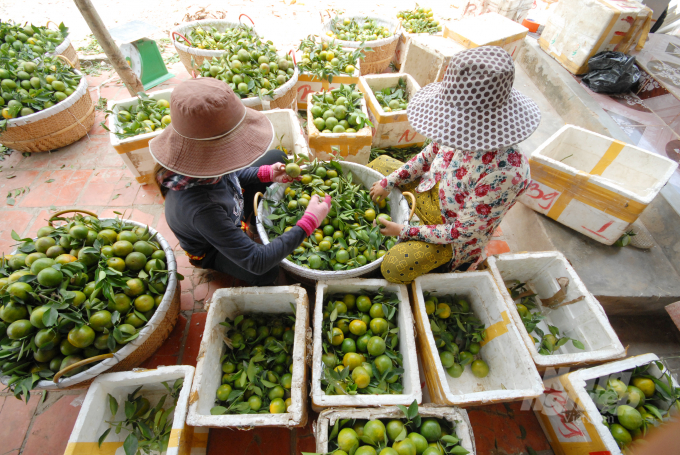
594, 184
95, 411
512, 374
230, 303
410, 378
354, 147
490, 29
458, 417
134, 150
427, 58
308, 83
570, 418
288, 131
389, 128
583, 319
578, 29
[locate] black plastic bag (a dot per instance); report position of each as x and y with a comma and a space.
612, 73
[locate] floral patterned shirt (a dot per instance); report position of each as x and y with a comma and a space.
476, 189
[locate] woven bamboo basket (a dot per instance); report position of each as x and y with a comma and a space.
382, 50
55, 127
67, 50
186, 53
151, 336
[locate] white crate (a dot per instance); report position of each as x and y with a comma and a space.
404, 41
389, 128
578, 29
307, 84
570, 418
91, 422
457, 416
512, 374
354, 147
490, 29
584, 320
135, 150
594, 184
410, 378
288, 131
427, 58
230, 303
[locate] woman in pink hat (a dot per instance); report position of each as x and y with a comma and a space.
470, 175
212, 159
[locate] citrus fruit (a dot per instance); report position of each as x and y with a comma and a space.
618, 386
363, 303
127, 236
37, 317
122, 248
67, 348
352, 360
347, 439
378, 326
376, 346
46, 337
127, 330
443, 311
394, 429
348, 345
44, 355
634, 396
50, 277
68, 361
337, 337
135, 261
365, 450
19, 329
357, 327
18, 261
329, 359
376, 311
87, 258
479, 368
134, 287
79, 232
361, 377
447, 358
144, 303
645, 384
419, 441
143, 247
101, 341
383, 364
81, 337
65, 259
116, 264
44, 243
432, 450
375, 430
431, 430
277, 406
154, 264
19, 290
45, 231
429, 307
31, 258
120, 303
455, 371
474, 348
465, 358
101, 320
629, 417
620, 434
405, 447
286, 381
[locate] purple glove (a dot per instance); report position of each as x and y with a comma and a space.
316, 212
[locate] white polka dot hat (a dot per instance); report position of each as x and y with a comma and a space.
475, 107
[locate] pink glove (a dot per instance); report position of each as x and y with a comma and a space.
273, 173
316, 212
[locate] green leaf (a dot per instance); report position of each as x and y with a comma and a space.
130, 408
450, 439
554, 330
401, 436
403, 409
113, 405
458, 450
413, 410
104, 435
130, 444
577, 344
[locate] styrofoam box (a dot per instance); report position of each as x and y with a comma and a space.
427, 58
288, 131
354, 147
307, 84
578, 29
91, 422
410, 378
389, 128
457, 416
570, 418
490, 29
404, 41
512, 373
230, 303
592, 183
135, 150
584, 320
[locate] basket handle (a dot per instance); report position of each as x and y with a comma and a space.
291, 52
58, 214
243, 14
321, 15
413, 203
48, 24
96, 358
258, 195
181, 36
67, 60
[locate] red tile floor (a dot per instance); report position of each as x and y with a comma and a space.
90, 175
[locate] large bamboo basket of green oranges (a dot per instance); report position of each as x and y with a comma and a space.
87, 296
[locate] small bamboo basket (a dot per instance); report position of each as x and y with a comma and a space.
66, 49
55, 127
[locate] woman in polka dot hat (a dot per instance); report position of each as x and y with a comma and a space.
470, 175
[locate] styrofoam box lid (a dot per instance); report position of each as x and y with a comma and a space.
585, 320
410, 378
459, 416
114, 124
634, 173
230, 303
95, 411
487, 28
512, 373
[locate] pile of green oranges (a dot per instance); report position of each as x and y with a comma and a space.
419, 20
250, 66
338, 110
361, 344
325, 60
29, 86
30, 40
351, 29
212, 39
144, 117
347, 238
79, 290
411, 435
457, 334
629, 409
258, 369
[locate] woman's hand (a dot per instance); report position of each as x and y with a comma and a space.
279, 173
390, 228
377, 192
316, 211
